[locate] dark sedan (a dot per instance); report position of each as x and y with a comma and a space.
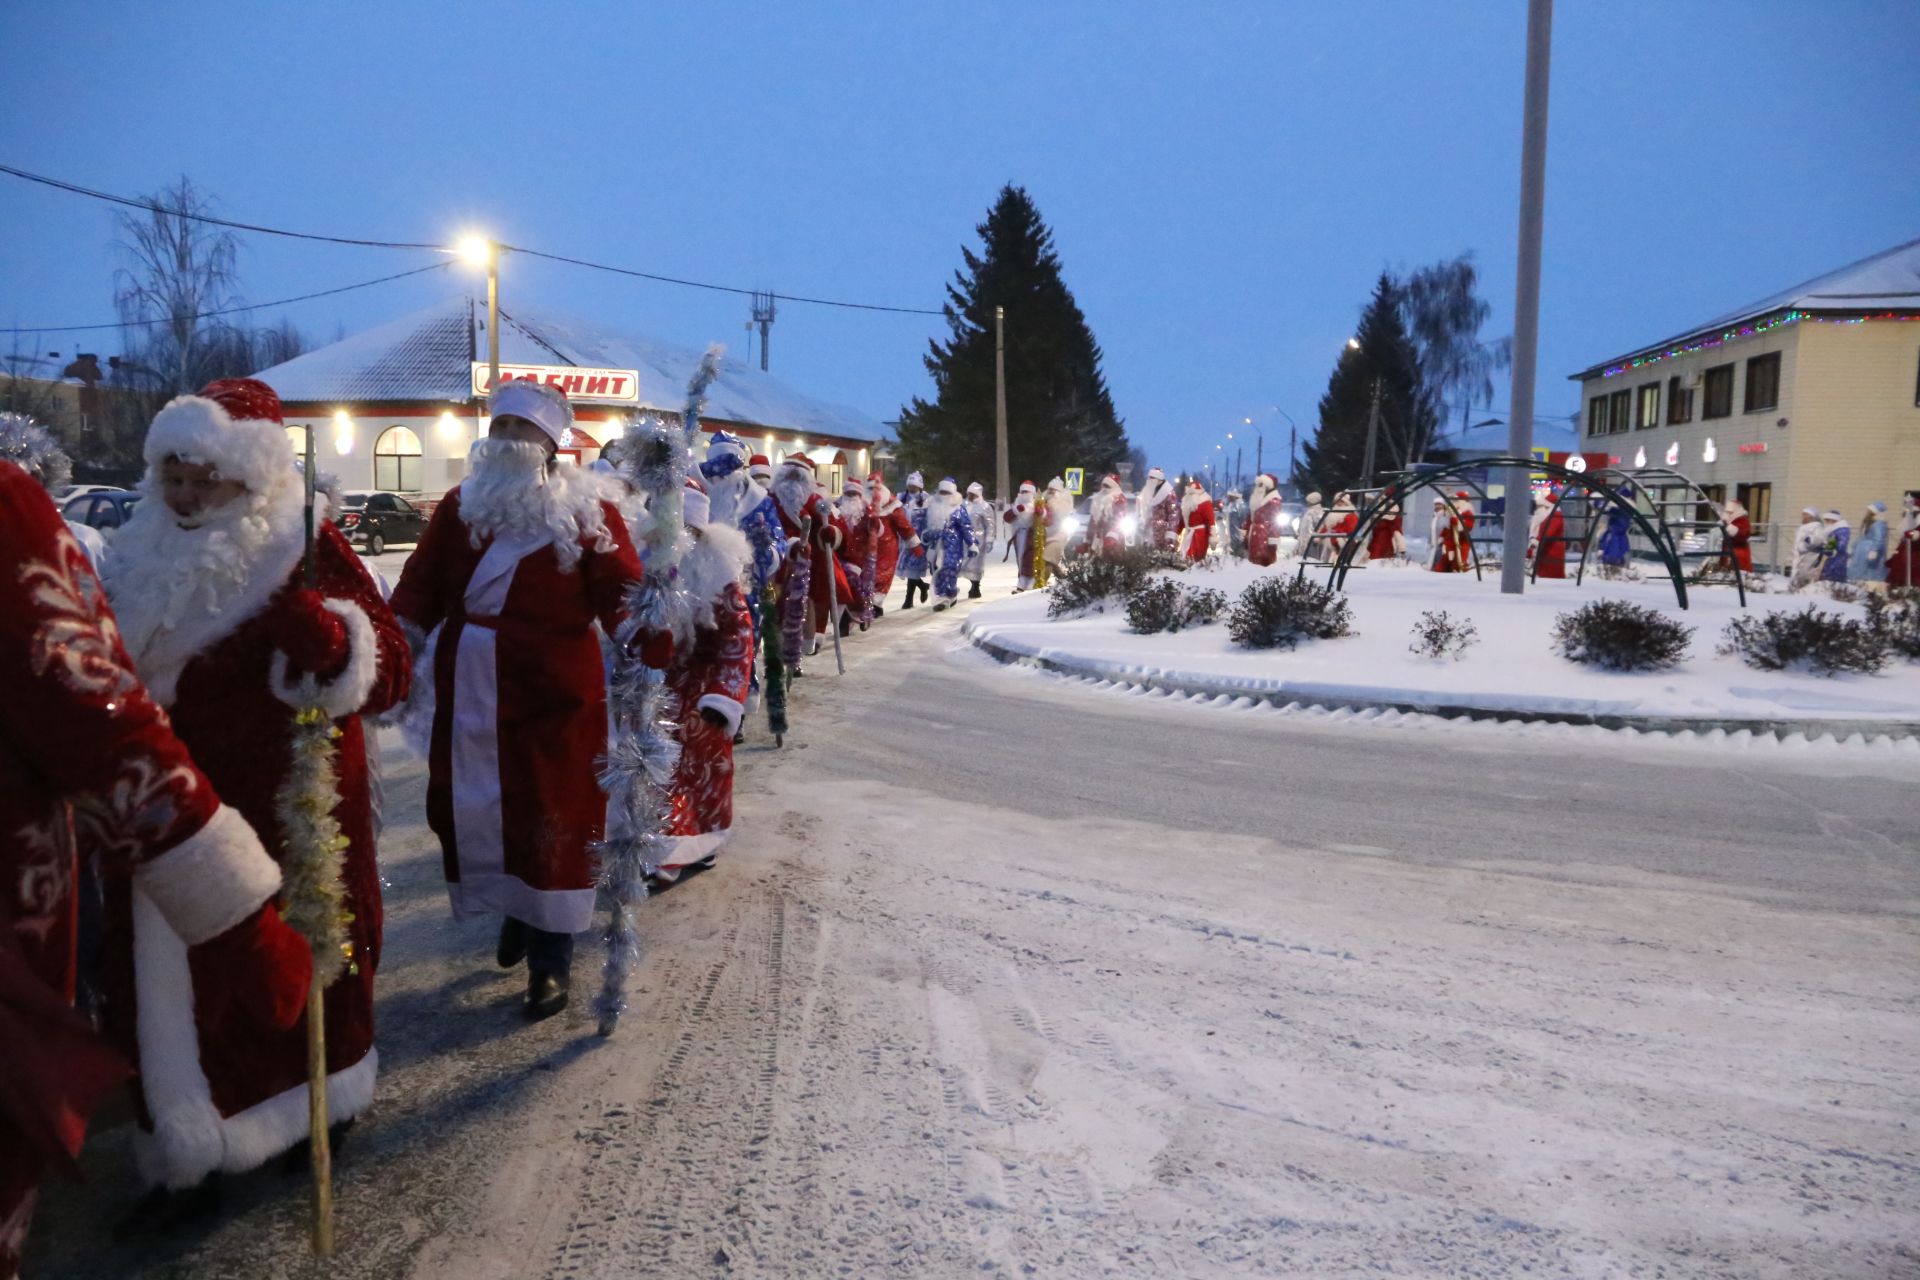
373, 521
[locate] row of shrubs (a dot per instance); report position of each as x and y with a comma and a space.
1278, 612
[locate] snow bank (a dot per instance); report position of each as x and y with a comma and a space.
1511, 669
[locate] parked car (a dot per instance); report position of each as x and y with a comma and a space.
374, 521
101, 509
81, 490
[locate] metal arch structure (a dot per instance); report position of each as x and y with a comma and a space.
1405, 484
1367, 514
1643, 479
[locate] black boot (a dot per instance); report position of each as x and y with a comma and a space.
973, 592
549, 972
910, 586
162, 1210
846, 623
513, 943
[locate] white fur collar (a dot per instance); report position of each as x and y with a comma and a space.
716, 558
1262, 497
1191, 502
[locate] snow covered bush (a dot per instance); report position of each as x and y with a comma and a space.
1896, 617
1089, 582
1163, 604
1438, 634
1620, 636
1825, 643
1277, 612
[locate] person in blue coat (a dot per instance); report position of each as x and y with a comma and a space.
950, 531
1867, 561
1839, 538
1615, 549
913, 557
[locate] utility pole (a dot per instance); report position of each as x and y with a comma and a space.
493, 315
1239, 472
763, 316
1002, 471
1526, 302
1373, 435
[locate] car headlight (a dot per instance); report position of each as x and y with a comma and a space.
1288, 522
1128, 524
1070, 526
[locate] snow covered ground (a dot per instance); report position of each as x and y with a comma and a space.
1002, 979
1511, 668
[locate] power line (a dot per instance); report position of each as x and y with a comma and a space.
227, 311
132, 203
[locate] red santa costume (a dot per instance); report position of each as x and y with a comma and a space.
1196, 522
1342, 522
1386, 539
214, 612
1547, 538
88, 758
859, 560
712, 663
1106, 518
1019, 519
1264, 521
1451, 553
1738, 527
1057, 517
1158, 507
802, 509
517, 564
892, 530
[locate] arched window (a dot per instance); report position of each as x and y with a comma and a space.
396, 461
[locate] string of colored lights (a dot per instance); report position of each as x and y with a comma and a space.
1747, 331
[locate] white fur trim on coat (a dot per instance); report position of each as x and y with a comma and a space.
726, 706
347, 692
211, 881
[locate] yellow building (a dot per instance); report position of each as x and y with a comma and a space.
1808, 398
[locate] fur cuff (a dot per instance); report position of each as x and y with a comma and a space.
347, 692
213, 880
726, 706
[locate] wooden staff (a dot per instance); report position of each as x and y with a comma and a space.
317, 1137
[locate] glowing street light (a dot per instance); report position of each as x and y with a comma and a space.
483, 252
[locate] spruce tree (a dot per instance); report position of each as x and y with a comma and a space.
1334, 459
1059, 413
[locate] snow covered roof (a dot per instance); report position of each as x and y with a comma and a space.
427, 356
1887, 281
1490, 439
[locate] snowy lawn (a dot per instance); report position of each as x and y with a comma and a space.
1512, 668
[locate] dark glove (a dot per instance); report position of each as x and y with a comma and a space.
656, 649
263, 962
312, 636
713, 717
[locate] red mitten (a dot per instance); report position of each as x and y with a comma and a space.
262, 963
312, 636
656, 650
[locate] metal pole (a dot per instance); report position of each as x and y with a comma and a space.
1002, 471
493, 315
1526, 299
1373, 434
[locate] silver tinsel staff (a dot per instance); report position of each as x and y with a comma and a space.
643, 744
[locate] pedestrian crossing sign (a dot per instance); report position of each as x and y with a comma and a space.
1076, 478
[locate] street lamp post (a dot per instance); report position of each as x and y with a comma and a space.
483, 252
1002, 471
1526, 306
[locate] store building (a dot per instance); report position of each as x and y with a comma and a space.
1810, 397
397, 407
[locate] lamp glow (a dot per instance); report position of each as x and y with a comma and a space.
450, 428
342, 432
476, 249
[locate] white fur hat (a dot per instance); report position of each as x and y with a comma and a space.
976, 490
948, 486
234, 426
545, 407
694, 504
915, 480
1155, 473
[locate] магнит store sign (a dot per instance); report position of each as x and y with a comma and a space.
614, 386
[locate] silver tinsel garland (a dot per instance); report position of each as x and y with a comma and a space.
643, 744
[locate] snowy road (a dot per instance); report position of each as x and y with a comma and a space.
1003, 976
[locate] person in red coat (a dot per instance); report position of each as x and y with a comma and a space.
517, 564
89, 764
1023, 519
1342, 522
1386, 539
801, 509
207, 581
712, 661
1451, 551
1265, 521
1196, 522
1106, 518
859, 556
1157, 506
1737, 526
892, 531
1547, 538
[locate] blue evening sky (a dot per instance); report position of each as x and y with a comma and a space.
1224, 180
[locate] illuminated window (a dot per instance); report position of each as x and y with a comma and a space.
1649, 414
396, 460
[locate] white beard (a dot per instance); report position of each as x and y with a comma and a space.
510, 492
1152, 494
732, 497
853, 510
1191, 503
792, 486
1104, 503
177, 592
940, 509
1261, 497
